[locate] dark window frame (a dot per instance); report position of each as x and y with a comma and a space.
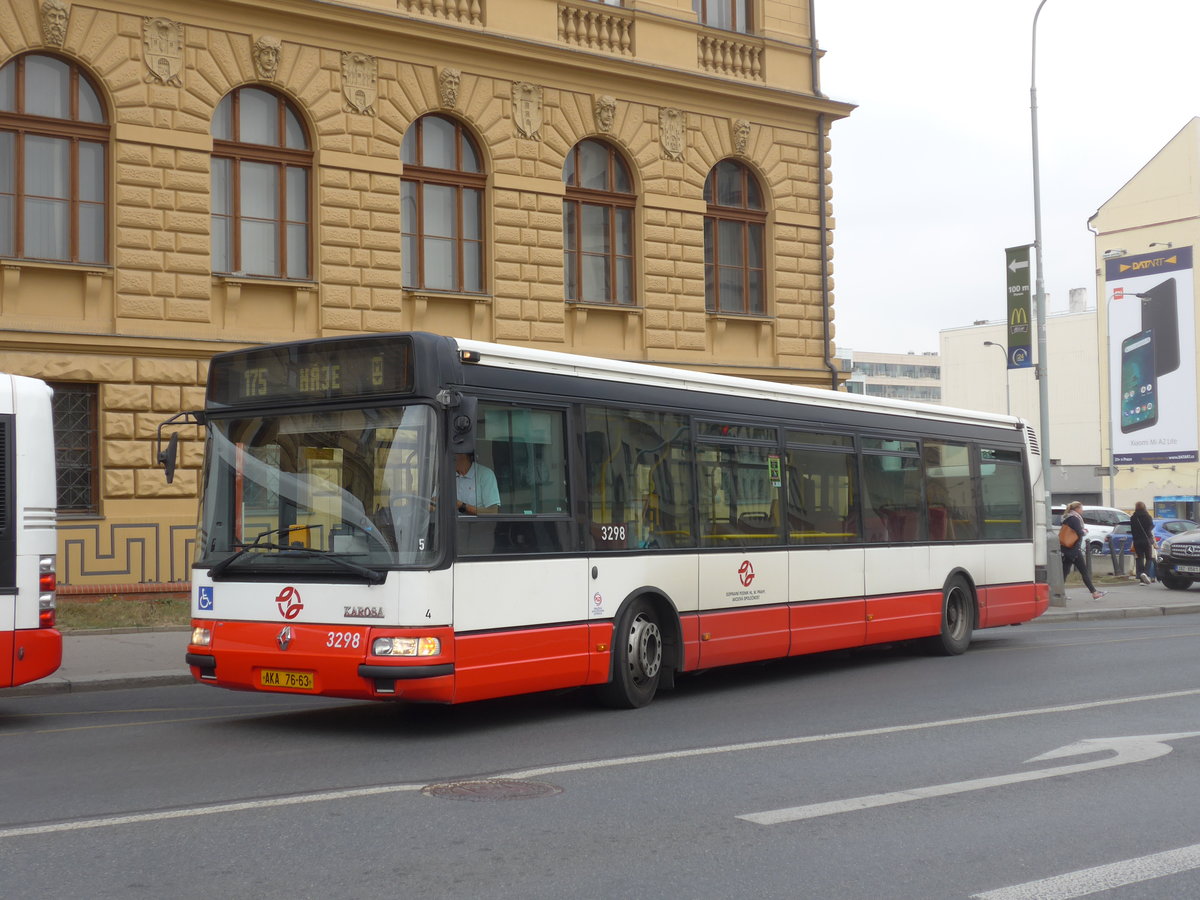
749, 219
612, 201
82, 493
282, 158
706, 12
459, 179
24, 125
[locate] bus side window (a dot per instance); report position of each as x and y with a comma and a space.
525, 448
638, 479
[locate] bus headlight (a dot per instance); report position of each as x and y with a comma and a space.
406, 646
201, 637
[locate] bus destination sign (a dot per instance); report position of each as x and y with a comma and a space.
330, 371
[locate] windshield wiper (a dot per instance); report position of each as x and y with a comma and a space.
373, 576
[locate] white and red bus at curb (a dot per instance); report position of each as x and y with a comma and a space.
30, 645
651, 521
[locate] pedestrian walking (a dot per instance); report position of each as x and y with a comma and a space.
1070, 544
1141, 528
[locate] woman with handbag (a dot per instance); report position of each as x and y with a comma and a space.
1070, 544
1141, 529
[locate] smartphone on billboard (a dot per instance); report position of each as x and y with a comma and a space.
1160, 314
1139, 383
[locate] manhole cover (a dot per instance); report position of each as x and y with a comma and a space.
492, 789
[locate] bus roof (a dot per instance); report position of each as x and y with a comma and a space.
551, 361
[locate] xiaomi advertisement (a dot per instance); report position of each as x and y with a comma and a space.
1152, 357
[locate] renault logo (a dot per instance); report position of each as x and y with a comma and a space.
284, 638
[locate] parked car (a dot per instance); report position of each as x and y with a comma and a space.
1179, 560
1099, 521
1121, 541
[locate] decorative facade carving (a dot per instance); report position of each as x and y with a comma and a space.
54, 22
266, 53
606, 113
740, 132
163, 42
527, 109
670, 131
360, 75
448, 84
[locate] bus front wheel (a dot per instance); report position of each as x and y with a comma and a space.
637, 658
958, 620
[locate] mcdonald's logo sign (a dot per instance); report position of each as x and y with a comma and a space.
1019, 316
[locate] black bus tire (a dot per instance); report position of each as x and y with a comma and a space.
958, 619
637, 658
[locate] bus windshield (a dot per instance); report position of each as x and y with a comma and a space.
338, 491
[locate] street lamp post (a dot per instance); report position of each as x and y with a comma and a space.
1004, 353
1057, 594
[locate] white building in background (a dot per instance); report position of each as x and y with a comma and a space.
976, 376
900, 376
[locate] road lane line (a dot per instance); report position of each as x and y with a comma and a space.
667, 755
1097, 879
215, 809
586, 765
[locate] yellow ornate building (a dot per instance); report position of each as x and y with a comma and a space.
646, 181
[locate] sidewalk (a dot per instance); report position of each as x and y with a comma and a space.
99, 661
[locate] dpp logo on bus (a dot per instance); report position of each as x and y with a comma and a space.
289, 602
746, 573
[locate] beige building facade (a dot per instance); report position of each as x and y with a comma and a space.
644, 182
1145, 237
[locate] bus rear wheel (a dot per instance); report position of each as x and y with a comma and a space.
637, 658
958, 620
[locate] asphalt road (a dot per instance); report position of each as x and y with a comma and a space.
882, 773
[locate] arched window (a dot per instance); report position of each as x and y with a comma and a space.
598, 225
441, 207
261, 184
53, 162
734, 235
732, 15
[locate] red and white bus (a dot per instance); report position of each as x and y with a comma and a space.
643, 522
30, 645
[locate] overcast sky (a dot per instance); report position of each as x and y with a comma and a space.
932, 174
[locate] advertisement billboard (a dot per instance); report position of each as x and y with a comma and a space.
1152, 358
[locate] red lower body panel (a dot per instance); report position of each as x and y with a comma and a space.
35, 653
336, 661
903, 617
743, 635
498, 664
1007, 604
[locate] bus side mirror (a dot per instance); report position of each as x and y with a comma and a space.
462, 425
167, 458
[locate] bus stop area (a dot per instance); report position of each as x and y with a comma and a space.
147, 658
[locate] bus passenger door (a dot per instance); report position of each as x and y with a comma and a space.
519, 622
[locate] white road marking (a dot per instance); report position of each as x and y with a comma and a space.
566, 768
1128, 750
1101, 878
192, 811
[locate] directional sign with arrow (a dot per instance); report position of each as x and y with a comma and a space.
1020, 335
1124, 750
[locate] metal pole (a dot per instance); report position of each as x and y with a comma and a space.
1007, 397
1054, 571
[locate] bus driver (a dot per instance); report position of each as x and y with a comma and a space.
476, 486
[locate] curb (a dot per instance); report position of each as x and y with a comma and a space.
59, 685
1128, 612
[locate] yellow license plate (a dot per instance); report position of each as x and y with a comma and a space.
282, 678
